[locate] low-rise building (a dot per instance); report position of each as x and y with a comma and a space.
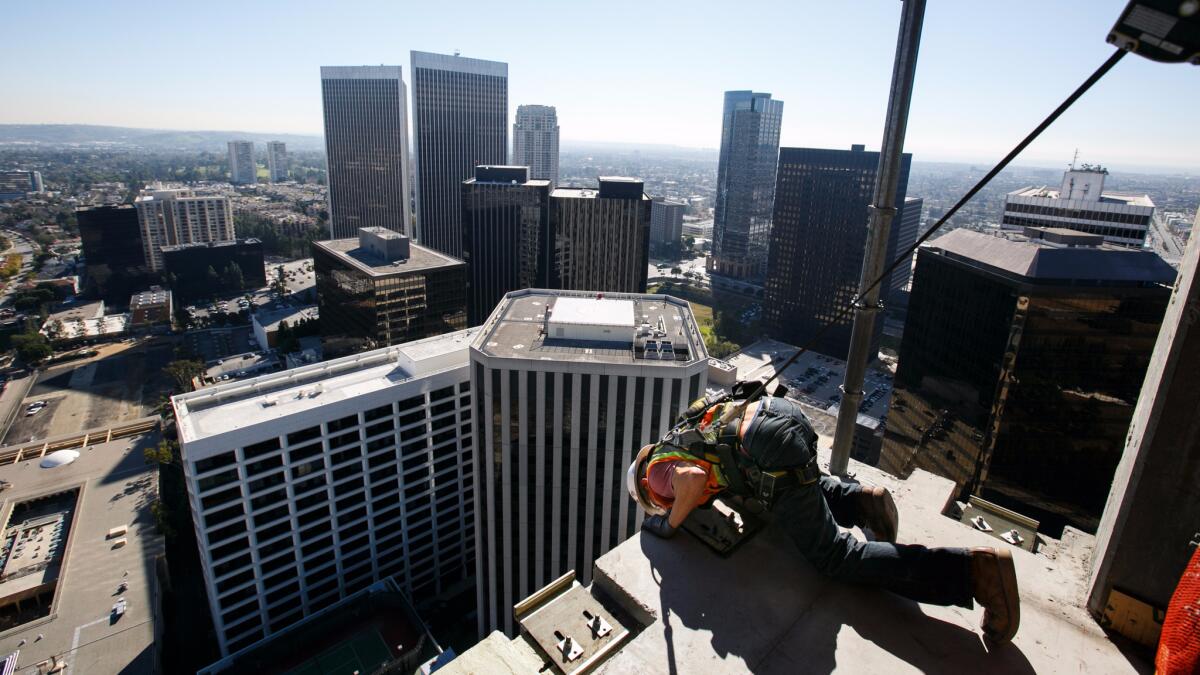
266, 324
79, 588
150, 307
380, 289
205, 269
1082, 204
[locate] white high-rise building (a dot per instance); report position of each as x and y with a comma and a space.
366, 148
170, 216
277, 161
567, 386
311, 484
243, 170
535, 141
1082, 204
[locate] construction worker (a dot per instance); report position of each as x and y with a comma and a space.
765, 459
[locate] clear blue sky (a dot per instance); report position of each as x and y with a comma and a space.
644, 72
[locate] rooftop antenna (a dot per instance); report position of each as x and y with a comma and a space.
1075, 159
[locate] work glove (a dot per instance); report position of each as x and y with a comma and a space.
659, 526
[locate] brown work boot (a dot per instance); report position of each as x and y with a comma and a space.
877, 511
994, 585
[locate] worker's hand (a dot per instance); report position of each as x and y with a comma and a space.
658, 526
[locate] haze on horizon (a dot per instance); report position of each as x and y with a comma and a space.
622, 72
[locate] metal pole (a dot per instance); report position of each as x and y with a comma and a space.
882, 211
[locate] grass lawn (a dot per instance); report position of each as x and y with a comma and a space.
704, 318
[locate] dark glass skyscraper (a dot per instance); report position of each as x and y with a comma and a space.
818, 240
377, 290
745, 184
186, 267
601, 237
366, 148
112, 245
506, 235
1021, 362
460, 120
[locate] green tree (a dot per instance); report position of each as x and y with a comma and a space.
163, 453
214, 279
232, 277
182, 371
162, 518
32, 347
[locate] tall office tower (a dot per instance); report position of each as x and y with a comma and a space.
460, 120
366, 148
17, 184
745, 184
319, 481
112, 245
243, 170
535, 141
1021, 362
1081, 204
170, 216
379, 289
277, 161
906, 227
601, 237
818, 241
506, 236
666, 224
567, 388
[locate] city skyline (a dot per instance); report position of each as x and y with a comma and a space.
957, 61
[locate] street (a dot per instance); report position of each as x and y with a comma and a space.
19, 245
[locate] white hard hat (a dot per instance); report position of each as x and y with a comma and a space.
633, 483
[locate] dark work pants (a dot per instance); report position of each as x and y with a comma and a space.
810, 516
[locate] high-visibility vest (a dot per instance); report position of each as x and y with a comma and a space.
715, 479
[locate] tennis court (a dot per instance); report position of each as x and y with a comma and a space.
364, 652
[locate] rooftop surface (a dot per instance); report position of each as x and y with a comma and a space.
236, 405
206, 245
764, 609
269, 319
582, 193
116, 489
593, 312
459, 64
1125, 198
1037, 259
516, 327
148, 299
360, 72
420, 259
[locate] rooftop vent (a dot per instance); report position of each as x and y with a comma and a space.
385, 244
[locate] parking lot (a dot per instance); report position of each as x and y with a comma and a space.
814, 379
124, 381
234, 309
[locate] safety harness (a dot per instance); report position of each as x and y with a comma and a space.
699, 438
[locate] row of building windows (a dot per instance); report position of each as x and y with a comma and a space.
1103, 230
339, 500
1083, 214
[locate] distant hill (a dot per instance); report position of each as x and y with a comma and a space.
149, 139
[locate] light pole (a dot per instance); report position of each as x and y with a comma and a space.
882, 210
